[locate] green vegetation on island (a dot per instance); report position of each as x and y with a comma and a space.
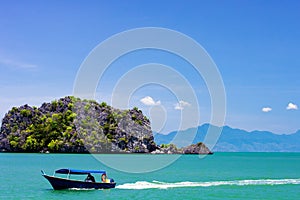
72, 125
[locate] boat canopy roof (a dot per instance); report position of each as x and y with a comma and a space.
79, 171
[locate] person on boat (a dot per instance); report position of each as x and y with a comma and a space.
90, 178
103, 178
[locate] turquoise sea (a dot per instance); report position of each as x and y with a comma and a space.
218, 176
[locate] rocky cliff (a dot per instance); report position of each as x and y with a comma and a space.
74, 125
198, 148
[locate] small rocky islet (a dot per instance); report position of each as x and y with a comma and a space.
72, 125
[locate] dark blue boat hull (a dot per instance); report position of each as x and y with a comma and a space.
62, 183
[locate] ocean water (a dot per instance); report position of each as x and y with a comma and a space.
218, 176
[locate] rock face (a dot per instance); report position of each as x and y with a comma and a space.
72, 125
198, 148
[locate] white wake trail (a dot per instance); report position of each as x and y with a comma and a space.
139, 185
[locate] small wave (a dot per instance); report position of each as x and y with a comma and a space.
139, 185
82, 189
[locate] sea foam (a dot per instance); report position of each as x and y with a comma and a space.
139, 185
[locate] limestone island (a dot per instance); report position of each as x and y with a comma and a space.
72, 125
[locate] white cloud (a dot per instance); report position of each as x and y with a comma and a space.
266, 109
292, 106
17, 64
148, 101
181, 105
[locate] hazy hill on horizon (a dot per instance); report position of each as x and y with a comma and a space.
237, 140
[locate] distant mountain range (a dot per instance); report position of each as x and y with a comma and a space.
236, 140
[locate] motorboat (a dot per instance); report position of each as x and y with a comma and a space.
60, 183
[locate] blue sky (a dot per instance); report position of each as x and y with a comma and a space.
255, 45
